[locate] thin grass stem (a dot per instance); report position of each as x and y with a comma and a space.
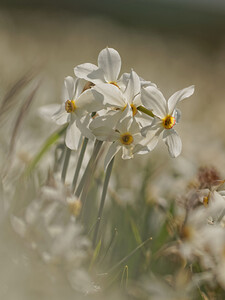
79, 163
129, 255
87, 172
104, 192
65, 164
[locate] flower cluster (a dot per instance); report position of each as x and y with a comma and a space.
126, 111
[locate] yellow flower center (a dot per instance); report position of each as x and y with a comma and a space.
70, 106
206, 201
126, 138
134, 109
168, 122
114, 83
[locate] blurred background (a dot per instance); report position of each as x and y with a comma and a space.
172, 43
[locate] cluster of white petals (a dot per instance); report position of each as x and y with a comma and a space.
126, 111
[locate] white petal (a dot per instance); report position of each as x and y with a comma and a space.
88, 101
112, 95
105, 120
124, 125
70, 86
127, 152
113, 149
154, 100
104, 133
84, 130
109, 60
79, 87
89, 72
151, 139
173, 142
134, 127
61, 116
137, 100
179, 96
72, 136
133, 87
177, 115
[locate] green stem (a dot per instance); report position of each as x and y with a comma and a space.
104, 191
65, 164
89, 168
79, 163
145, 111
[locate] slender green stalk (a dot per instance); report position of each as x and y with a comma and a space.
129, 255
79, 163
66, 163
104, 191
110, 244
124, 279
145, 111
89, 168
49, 142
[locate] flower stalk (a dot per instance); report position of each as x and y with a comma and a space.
66, 163
104, 191
79, 163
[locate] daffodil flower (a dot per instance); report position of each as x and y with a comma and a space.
77, 103
166, 116
127, 137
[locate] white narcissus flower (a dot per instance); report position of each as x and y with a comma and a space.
127, 137
166, 116
77, 104
107, 71
121, 102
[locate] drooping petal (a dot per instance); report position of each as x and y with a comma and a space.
89, 72
179, 96
127, 152
154, 100
133, 87
72, 136
112, 95
61, 116
110, 62
173, 142
113, 149
70, 86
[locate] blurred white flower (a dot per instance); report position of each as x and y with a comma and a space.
166, 116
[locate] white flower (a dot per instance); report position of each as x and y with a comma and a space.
121, 103
127, 137
77, 103
107, 71
166, 116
